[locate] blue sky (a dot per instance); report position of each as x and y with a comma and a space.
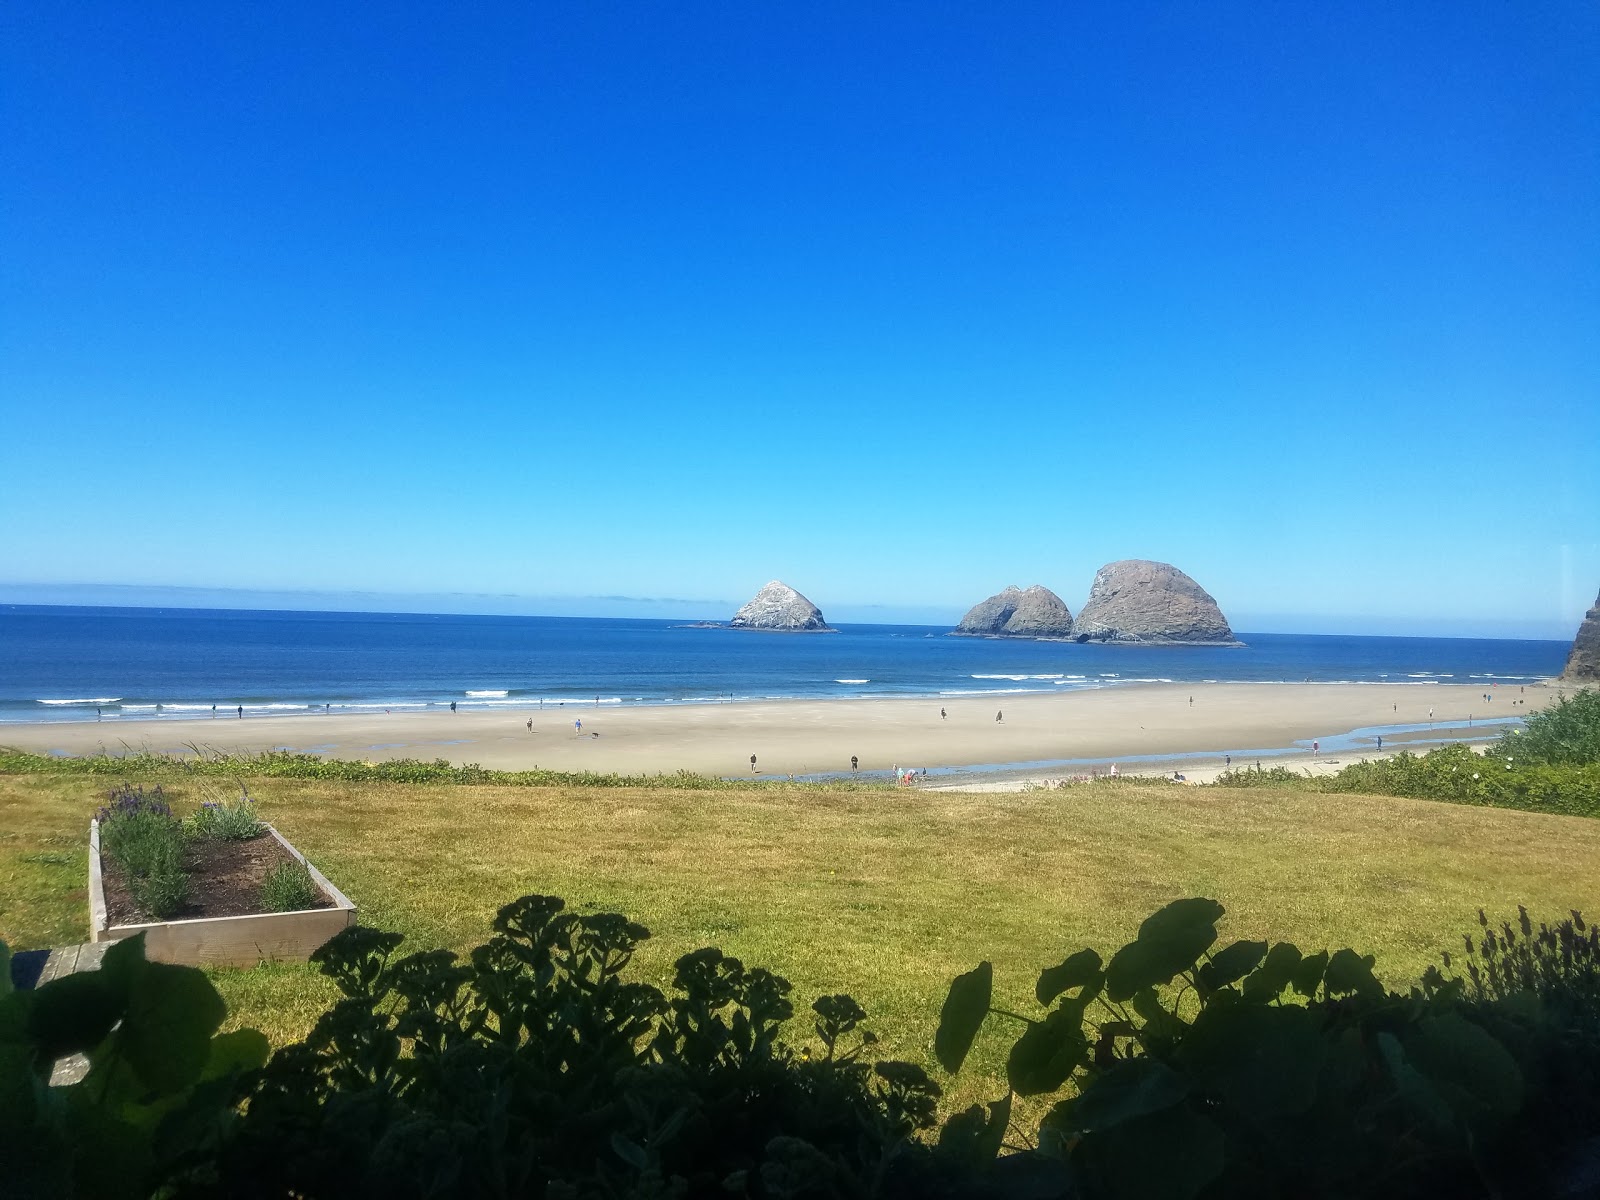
900, 303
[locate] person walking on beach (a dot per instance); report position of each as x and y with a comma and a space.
941, 714
530, 724
213, 712
1227, 761
752, 764
452, 706
241, 712
1380, 741
97, 711
1316, 747
855, 763
999, 717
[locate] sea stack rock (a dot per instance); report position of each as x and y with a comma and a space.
1137, 602
1035, 613
778, 606
1583, 664
988, 617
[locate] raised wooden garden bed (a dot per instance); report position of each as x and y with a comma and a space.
239, 939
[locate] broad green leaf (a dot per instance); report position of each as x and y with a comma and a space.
1412, 1085
1131, 1089
1047, 1054
1349, 973
629, 1151
964, 1010
166, 1035
241, 1050
1268, 980
1467, 1064
71, 1015
1307, 977
1169, 942
1231, 964
19, 1087
1079, 970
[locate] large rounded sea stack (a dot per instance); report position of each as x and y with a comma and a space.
1035, 613
1141, 603
1583, 664
778, 606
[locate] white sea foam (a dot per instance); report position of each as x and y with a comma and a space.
485, 694
138, 708
90, 700
983, 691
852, 681
1016, 678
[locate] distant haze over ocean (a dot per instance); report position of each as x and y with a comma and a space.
720, 609
65, 663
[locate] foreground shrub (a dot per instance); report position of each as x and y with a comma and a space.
1566, 733
1258, 1070
534, 1067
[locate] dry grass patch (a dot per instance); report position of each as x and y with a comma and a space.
885, 895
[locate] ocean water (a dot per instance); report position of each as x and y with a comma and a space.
72, 664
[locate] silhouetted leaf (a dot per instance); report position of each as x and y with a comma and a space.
1307, 977
1169, 942
1231, 964
1268, 980
964, 1010
1048, 1052
1349, 973
1079, 970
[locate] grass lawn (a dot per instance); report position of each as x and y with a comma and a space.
884, 894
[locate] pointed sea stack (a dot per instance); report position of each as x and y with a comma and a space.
1035, 613
1142, 603
1583, 664
779, 607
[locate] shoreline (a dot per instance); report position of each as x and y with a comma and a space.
1140, 726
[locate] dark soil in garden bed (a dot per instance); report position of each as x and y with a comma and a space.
224, 880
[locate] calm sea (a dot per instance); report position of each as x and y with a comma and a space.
64, 664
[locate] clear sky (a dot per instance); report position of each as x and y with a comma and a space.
900, 303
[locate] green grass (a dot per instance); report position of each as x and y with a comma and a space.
882, 893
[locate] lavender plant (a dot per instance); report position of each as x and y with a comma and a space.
139, 832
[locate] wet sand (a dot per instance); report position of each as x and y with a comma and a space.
1145, 728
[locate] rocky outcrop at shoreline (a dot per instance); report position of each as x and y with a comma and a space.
1035, 613
1138, 602
1583, 664
779, 607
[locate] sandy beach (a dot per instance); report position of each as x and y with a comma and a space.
1144, 728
